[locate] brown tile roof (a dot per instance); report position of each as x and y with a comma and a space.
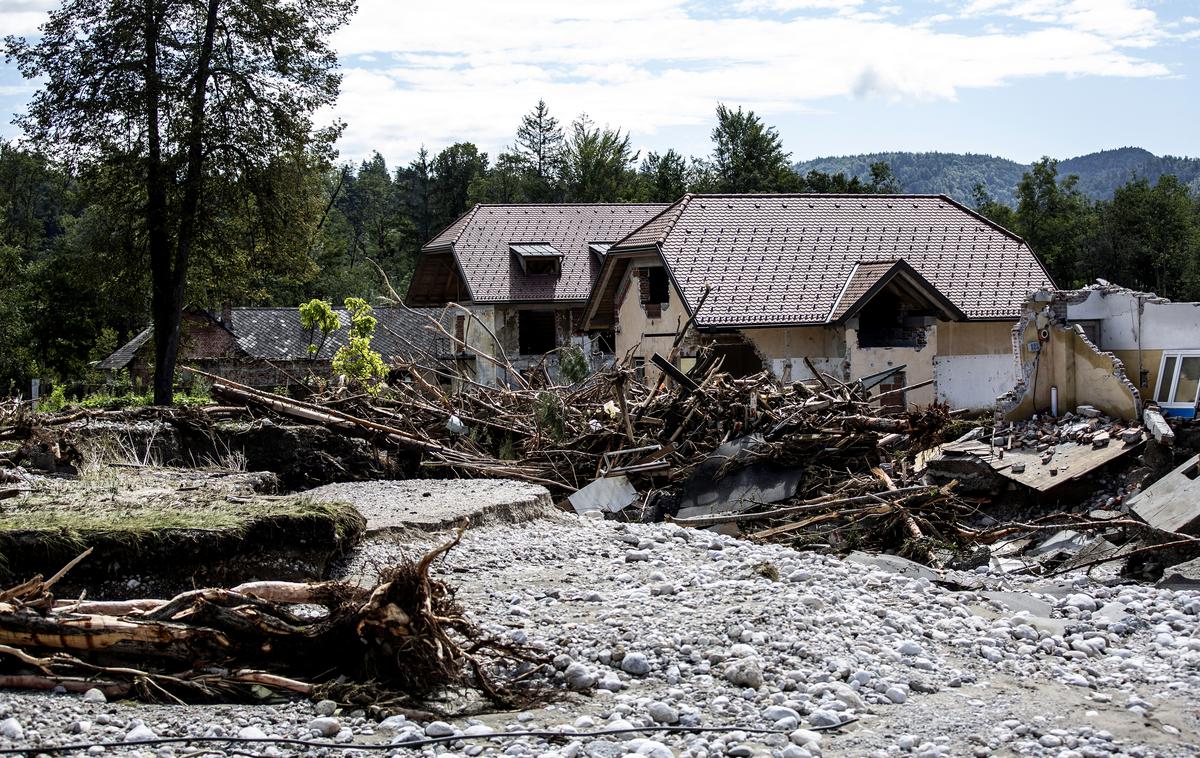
783, 259
481, 241
867, 279
863, 277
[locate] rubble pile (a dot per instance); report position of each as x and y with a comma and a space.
1087, 426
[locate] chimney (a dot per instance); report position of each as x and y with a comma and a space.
227, 315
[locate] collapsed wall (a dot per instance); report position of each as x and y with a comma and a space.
1060, 367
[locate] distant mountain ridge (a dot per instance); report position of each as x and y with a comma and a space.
956, 174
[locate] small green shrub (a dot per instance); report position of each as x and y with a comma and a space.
357, 361
54, 402
573, 364
317, 317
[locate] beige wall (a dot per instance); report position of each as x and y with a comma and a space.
918, 363
633, 325
975, 337
1082, 375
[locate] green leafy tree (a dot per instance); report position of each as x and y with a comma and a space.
598, 163
356, 360
748, 155
506, 182
184, 96
317, 317
992, 209
1053, 218
1148, 237
663, 178
453, 171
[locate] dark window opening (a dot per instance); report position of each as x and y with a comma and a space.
738, 359
542, 266
535, 332
606, 341
658, 287
639, 369
887, 321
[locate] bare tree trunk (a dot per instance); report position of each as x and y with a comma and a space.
170, 277
166, 325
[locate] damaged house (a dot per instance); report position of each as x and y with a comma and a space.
848, 285
525, 273
267, 347
1108, 347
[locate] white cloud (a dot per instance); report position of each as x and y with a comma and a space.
441, 72
468, 70
1121, 21
23, 17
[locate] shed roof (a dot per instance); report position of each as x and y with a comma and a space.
775, 260
482, 238
276, 334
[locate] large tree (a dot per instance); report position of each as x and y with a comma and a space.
1053, 217
539, 147
453, 171
187, 96
748, 155
598, 163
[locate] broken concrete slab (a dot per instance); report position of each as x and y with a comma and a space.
1060, 545
437, 504
1172, 504
1158, 427
1182, 576
893, 564
1020, 601
609, 494
704, 494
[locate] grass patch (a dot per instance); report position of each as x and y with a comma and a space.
207, 526
40, 513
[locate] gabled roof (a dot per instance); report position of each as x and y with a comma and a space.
276, 334
124, 354
866, 280
776, 260
480, 241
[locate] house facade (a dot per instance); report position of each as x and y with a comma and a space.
848, 285
523, 274
267, 347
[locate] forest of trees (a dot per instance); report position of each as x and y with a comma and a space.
131, 196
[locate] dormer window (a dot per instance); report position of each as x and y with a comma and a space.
599, 250
538, 258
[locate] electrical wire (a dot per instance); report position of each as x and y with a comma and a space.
412, 744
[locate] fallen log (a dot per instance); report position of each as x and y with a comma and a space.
402, 641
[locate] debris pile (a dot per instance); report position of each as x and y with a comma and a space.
400, 642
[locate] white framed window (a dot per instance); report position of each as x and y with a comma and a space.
1178, 385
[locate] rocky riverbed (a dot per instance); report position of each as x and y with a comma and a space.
658, 625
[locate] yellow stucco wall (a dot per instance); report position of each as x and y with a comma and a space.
812, 341
633, 325
1081, 374
918, 364
974, 337
1151, 361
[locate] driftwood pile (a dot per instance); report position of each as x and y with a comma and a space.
396, 644
567, 436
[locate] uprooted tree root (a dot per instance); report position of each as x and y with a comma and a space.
401, 644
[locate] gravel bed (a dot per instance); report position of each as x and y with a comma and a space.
660, 625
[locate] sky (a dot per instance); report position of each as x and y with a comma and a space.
1016, 78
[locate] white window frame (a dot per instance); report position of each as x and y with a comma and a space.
1179, 355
